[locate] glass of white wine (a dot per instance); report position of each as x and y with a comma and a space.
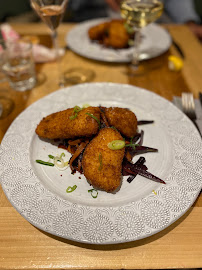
51, 12
138, 14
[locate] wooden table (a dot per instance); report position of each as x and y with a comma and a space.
22, 246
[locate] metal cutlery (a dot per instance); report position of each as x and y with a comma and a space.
188, 107
178, 48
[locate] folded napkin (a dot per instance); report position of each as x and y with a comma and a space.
177, 101
40, 53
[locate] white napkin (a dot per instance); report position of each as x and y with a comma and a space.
43, 54
198, 109
40, 53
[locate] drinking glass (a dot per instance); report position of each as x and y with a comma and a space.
6, 104
138, 14
19, 66
51, 12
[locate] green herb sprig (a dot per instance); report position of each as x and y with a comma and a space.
94, 117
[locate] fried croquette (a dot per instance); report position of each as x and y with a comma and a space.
112, 34
98, 31
102, 166
124, 120
68, 124
117, 35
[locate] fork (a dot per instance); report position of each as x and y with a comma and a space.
188, 107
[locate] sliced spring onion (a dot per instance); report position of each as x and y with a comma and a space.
129, 28
94, 193
85, 106
74, 116
44, 163
100, 160
60, 163
116, 145
94, 117
133, 145
62, 155
77, 109
71, 189
119, 144
50, 156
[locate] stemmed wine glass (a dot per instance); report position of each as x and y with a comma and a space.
138, 14
51, 12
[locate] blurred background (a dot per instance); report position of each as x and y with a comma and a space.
80, 10
175, 11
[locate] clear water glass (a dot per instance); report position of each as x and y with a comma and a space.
19, 66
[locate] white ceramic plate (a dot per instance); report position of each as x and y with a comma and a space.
155, 41
137, 210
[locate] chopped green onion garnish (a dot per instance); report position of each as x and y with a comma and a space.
85, 106
116, 145
44, 162
133, 145
94, 117
77, 109
71, 189
119, 144
74, 116
100, 160
94, 192
62, 155
129, 28
50, 156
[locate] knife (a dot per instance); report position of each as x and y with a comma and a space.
177, 47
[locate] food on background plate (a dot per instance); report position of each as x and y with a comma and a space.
102, 141
115, 34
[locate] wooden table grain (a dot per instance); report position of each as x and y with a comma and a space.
22, 246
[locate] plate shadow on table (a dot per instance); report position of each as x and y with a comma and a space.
126, 245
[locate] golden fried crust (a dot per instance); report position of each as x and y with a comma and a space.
98, 31
102, 166
59, 125
117, 35
123, 120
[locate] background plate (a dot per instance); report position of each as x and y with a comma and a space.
39, 193
155, 41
